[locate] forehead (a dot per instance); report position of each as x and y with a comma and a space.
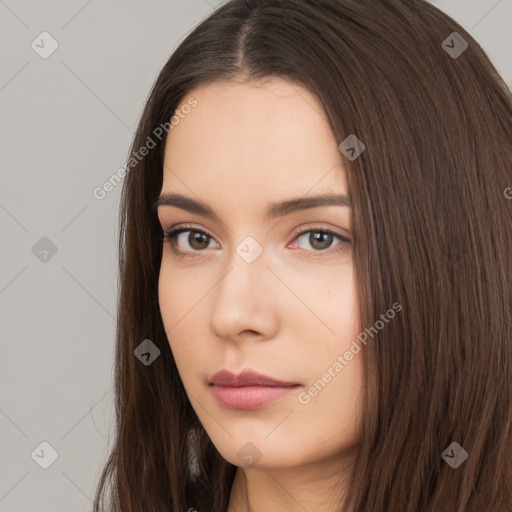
257, 137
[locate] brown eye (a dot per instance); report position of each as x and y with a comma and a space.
196, 241
320, 239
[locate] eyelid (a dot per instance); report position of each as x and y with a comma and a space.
179, 228
298, 231
317, 227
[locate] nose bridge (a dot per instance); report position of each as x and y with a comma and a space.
242, 301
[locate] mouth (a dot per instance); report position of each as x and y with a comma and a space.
249, 397
249, 389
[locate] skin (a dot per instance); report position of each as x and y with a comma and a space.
289, 314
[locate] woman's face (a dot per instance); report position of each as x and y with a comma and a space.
253, 293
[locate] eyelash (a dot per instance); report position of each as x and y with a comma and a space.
170, 236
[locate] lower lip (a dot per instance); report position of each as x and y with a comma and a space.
250, 397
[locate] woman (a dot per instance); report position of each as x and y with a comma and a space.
316, 272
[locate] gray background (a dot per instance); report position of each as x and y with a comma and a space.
66, 124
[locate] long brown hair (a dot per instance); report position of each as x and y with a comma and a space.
432, 230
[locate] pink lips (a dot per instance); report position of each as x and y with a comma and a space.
248, 390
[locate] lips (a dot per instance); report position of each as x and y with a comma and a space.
247, 377
249, 389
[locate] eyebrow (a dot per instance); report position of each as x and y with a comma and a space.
273, 210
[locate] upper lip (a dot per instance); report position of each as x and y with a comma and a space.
247, 377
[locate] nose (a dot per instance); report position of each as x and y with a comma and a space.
246, 300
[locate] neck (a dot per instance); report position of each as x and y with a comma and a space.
315, 487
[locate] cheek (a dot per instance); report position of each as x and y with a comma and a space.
176, 301
185, 294
168, 299
336, 388
179, 291
335, 302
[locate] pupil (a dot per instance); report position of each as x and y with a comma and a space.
317, 237
198, 240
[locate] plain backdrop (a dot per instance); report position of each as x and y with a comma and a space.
67, 119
